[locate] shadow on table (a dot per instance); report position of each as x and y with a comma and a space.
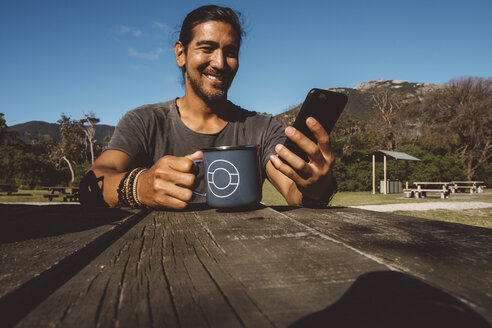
285, 208
22, 222
393, 299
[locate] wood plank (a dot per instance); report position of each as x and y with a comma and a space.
454, 257
41, 247
206, 268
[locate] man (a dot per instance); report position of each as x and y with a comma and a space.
166, 137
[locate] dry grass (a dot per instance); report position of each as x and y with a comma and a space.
475, 217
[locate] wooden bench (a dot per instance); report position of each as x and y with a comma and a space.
473, 186
71, 197
422, 193
68, 266
8, 188
422, 188
51, 196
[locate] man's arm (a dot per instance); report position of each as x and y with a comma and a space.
167, 183
300, 180
105, 175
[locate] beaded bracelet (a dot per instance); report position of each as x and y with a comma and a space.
127, 189
134, 191
121, 195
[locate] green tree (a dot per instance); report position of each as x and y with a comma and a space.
25, 168
3, 127
72, 147
431, 167
89, 124
461, 113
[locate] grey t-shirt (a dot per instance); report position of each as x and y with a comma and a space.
150, 132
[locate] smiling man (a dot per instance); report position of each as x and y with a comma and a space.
150, 158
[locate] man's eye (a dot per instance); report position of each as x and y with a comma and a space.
231, 53
207, 49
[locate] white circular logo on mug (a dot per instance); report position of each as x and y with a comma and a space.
222, 178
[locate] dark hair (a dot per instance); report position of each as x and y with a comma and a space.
205, 14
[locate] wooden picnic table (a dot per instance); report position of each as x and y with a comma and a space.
62, 192
423, 187
59, 190
8, 188
473, 186
71, 266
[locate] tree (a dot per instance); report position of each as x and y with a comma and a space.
3, 127
71, 148
24, 168
386, 121
7, 137
90, 130
462, 112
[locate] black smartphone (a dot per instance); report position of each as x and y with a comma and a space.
326, 107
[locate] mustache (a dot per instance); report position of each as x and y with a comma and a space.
214, 71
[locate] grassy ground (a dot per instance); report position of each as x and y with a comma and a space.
25, 196
476, 217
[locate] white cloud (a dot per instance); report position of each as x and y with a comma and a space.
150, 55
166, 28
128, 30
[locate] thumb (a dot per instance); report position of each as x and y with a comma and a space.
196, 155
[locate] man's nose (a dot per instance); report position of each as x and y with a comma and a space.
217, 60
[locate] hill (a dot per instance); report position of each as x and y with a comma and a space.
359, 107
33, 131
360, 102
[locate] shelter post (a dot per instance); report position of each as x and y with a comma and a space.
385, 184
373, 174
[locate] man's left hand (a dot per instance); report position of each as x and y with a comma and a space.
313, 179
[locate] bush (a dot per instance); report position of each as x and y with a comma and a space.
354, 172
24, 168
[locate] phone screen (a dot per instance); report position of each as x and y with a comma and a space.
326, 107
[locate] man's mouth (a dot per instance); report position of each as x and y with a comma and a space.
217, 78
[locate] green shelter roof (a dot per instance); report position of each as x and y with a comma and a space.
393, 155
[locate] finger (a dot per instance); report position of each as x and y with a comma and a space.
187, 180
307, 145
287, 170
170, 190
196, 155
294, 161
165, 174
321, 136
182, 164
171, 202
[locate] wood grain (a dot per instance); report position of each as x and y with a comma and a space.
41, 247
454, 257
204, 268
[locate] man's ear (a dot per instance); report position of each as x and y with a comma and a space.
179, 52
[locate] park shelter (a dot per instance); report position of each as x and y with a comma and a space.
381, 156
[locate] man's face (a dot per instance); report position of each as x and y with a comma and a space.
211, 60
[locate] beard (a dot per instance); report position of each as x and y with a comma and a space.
208, 96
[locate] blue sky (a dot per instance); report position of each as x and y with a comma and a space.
109, 56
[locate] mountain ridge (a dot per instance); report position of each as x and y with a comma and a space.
359, 106
36, 131
360, 101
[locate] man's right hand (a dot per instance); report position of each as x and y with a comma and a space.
169, 182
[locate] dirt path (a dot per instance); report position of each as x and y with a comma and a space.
455, 206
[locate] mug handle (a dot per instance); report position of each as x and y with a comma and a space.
198, 161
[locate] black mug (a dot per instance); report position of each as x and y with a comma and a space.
232, 176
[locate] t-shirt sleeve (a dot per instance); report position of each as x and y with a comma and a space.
274, 134
130, 138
